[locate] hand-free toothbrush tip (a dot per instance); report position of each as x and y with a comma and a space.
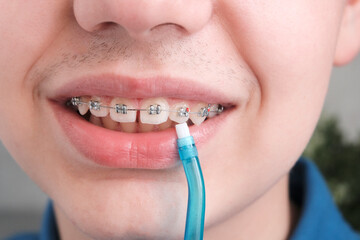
182, 130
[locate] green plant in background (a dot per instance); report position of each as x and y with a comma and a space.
339, 162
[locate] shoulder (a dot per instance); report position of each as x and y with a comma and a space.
320, 218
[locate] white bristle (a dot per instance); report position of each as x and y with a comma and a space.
182, 130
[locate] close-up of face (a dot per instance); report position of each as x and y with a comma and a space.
263, 67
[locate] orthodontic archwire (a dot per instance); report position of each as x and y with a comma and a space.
154, 109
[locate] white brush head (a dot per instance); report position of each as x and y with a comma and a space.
182, 130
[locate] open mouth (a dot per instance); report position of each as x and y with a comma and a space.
136, 130
145, 115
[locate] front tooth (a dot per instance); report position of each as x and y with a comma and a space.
84, 107
95, 120
109, 123
179, 117
128, 127
165, 125
95, 108
154, 117
197, 110
144, 127
120, 110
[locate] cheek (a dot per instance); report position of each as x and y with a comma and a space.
27, 29
289, 46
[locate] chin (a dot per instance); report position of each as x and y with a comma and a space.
109, 211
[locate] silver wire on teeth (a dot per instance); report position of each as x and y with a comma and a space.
204, 112
94, 105
121, 108
152, 110
184, 112
75, 101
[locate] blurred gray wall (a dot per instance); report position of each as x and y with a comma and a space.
343, 99
22, 202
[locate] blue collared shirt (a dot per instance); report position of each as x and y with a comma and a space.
319, 220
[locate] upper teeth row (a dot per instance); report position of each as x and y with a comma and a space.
153, 109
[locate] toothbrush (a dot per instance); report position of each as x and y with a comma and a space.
195, 217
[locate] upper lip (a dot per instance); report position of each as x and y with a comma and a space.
128, 87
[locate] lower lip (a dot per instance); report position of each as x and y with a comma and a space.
152, 150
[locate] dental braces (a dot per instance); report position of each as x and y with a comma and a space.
153, 109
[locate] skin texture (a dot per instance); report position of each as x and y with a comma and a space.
279, 54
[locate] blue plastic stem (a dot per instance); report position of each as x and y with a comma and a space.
196, 190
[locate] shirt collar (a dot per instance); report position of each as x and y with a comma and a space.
49, 229
320, 218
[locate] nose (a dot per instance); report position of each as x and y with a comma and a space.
140, 17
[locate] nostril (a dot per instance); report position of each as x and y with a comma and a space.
169, 25
103, 26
